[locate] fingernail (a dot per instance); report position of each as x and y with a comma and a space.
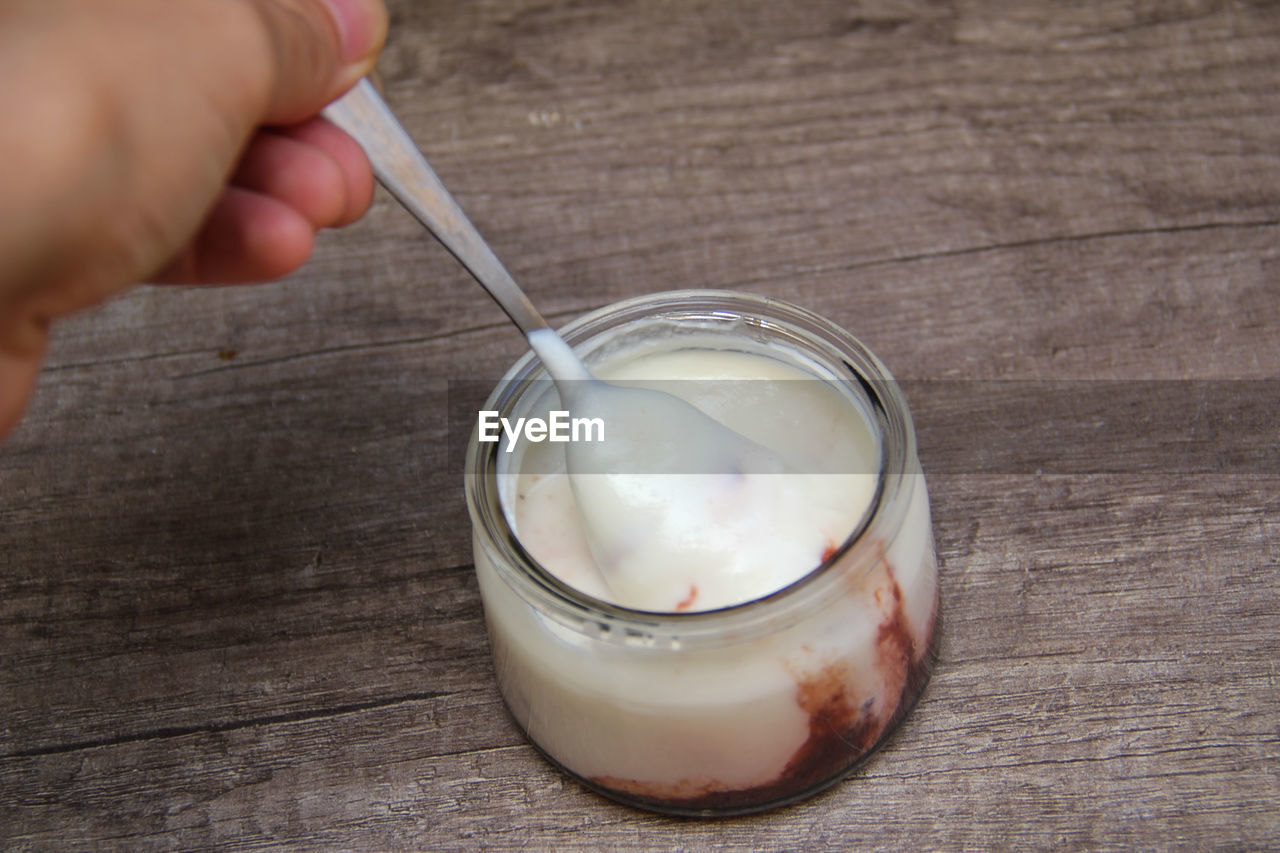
362, 27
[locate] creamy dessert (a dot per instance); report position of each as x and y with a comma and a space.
680, 510
763, 630
686, 540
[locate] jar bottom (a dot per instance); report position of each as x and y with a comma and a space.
828, 758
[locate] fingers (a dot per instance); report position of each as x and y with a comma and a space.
314, 168
351, 161
290, 180
247, 237
318, 50
302, 176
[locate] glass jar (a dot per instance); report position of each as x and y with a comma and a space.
743, 708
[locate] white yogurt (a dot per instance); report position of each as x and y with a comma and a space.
692, 709
681, 541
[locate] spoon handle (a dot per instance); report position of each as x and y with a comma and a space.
407, 175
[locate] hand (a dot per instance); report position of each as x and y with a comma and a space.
166, 141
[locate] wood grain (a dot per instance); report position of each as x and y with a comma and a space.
237, 608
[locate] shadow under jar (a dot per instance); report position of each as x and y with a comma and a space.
737, 709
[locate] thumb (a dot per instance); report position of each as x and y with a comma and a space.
318, 50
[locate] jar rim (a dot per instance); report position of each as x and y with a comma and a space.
534, 583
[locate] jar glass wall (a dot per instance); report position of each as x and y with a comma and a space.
742, 708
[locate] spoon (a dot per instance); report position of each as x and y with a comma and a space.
402, 169
406, 174
649, 432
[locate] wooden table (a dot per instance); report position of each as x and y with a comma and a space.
237, 605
